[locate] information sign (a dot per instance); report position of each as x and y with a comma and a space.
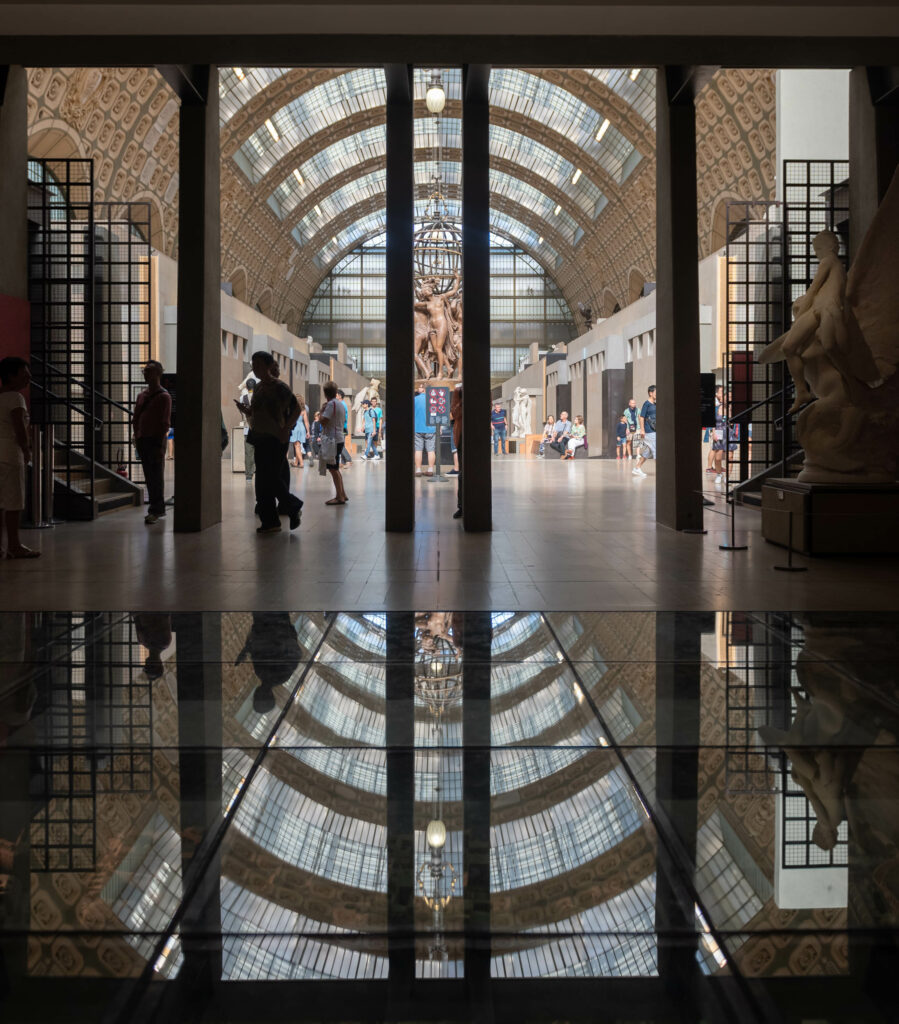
437, 406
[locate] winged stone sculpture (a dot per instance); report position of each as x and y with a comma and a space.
843, 350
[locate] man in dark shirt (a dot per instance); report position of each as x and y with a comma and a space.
648, 426
150, 422
498, 428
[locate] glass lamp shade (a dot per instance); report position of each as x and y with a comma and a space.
435, 99
436, 834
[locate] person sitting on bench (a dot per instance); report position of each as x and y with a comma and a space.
577, 439
560, 433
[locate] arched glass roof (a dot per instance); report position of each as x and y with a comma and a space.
505, 144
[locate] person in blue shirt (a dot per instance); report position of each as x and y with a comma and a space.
621, 434
648, 426
345, 456
424, 435
378, 436
498, 428
368, 426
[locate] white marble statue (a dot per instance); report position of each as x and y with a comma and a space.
843, 349
521, 413
364, 394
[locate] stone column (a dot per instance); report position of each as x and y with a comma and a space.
198, 659
477, 499
873, 144
400, 740
13, 183
678, 468
198, 463
400, 483
476, 645
678, 666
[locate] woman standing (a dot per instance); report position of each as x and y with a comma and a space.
547, 434
300, 434
333, 417
15, 451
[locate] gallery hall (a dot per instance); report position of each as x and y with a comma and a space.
326, 693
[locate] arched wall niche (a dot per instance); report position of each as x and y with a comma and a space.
635, 282
239, 284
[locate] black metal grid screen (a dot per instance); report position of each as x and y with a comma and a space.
94, 722
89, 286
60, 288
758, 667
755, 317
122, 324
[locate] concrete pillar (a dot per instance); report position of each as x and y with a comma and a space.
477, 499
476, 653
678, 469
13, 182
873, 144
401, 866
400, 483
198, 466
678, 666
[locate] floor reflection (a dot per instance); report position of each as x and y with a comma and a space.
413, 797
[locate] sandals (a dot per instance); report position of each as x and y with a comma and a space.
335, 501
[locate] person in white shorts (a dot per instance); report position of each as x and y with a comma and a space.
15, 451
648, 426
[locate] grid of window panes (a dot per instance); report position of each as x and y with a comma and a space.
266, 941
574, 831
614, 939
561, 111
311, 836
237, 86
636, 86
526, 307
511, 770
536, 719
327, 104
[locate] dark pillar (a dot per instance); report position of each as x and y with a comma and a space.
400, 739
614, 400
199, 663
13, 184
873, 144
400, 510
477, 499
198, 466
678, 665
678, 470
476, 639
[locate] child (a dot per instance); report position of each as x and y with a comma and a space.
621, 442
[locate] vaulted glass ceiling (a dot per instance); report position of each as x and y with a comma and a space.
297, 135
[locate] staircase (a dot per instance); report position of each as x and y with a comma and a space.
72, 487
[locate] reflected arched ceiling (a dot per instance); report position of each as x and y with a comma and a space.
298, 139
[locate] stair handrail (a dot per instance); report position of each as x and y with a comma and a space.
81, 384
98, 423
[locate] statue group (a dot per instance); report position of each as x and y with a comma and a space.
842, 352
438, 329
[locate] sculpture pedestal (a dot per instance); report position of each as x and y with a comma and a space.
832, 519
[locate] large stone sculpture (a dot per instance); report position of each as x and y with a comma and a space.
843, 349
364, 395
521, 413
438, 330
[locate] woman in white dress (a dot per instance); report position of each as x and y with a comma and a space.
15, 451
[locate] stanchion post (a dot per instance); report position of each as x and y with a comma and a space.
789, 567
733, 546
37, 520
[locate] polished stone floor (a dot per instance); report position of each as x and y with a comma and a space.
479, 816
574, 535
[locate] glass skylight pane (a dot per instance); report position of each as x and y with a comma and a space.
640, 92
237, 86
312, 112
562, 112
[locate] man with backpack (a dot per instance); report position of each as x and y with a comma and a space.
150, 422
